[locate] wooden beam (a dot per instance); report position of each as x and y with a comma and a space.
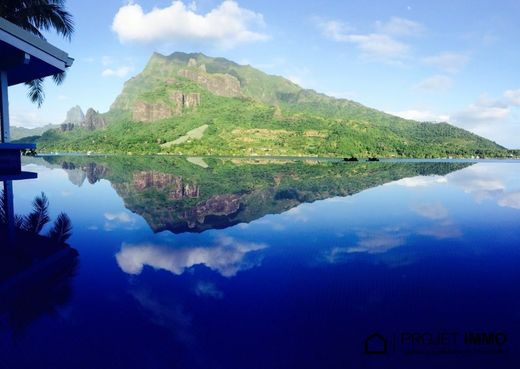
14, 59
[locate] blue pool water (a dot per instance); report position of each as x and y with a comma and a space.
207, 263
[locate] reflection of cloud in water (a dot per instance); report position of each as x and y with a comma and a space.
389, 238
208, 289
273, 224
371, 243
419, 181
443, 230
378, 243
481, 181
170, 316
297, 214
120, 217
119, 220
511, 200
227, 256
434, 211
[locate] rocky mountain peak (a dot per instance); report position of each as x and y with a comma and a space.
93, 120
74, 115
90, 121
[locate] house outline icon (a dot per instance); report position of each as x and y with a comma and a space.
376, 344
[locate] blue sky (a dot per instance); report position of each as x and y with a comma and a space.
426, 60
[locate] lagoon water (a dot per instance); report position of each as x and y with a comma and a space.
248, 263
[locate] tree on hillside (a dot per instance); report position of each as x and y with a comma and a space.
36, 16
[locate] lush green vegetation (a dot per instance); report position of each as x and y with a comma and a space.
269, 116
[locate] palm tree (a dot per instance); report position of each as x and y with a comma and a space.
39, 216
36, 16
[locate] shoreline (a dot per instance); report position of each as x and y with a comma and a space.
293, 158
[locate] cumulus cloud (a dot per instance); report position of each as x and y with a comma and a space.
492, 118
484, 110
421, 115
381, 44
227, 25
227, 257
435, 83
120, 72
449, 62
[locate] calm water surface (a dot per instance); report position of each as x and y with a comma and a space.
207, 263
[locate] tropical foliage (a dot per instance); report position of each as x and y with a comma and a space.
36, 16
38, 217
269, 116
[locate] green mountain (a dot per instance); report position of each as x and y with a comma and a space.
198, 105
22, 132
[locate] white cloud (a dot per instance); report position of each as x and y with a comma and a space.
227, 25
227, 257
27, 119
511, 200
378, 45
491, 118
435, 83
484, 110
421, 115
120, 72
449, 62
399, 27
381, 44
513, 97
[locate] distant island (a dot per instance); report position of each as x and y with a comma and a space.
192, 104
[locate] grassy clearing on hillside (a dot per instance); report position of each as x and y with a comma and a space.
194, 134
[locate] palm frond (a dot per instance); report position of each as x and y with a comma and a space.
18, 221
36, 16
39, 216
3, 216
58, 78
62, 228
35, 92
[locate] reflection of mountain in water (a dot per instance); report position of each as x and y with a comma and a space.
173, 194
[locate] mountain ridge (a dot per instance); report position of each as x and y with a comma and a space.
249, 112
